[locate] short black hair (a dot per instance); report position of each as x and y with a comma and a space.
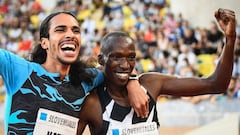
108, 38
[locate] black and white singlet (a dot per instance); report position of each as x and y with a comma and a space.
117, 115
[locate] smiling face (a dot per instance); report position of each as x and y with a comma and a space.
118, 60
63, 44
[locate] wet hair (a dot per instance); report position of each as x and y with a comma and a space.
77, 72
110, 38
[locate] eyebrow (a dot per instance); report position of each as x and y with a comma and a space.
64, 26
119, 53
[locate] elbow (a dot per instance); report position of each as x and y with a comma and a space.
223, 90
219, 85
220, 88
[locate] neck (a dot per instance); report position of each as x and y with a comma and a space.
119, 95
63, 70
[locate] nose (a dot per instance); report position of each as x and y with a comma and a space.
124, 63
69, 33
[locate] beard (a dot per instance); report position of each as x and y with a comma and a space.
65, 62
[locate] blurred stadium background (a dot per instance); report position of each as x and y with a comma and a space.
174, 37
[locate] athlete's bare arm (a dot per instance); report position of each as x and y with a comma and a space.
215, 83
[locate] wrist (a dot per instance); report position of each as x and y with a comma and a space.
231, 35
230, 40
133, 77
132, 84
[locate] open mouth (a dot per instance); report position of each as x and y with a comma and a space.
122, 75
68, 47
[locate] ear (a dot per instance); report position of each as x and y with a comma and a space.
44, 43
101, 59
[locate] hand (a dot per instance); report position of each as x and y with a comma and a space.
139, 100
227, 22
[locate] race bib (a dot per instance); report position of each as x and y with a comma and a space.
144, 128
55, 123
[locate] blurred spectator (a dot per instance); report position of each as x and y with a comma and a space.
170, 24
145, 65
106, 10
88, 24
186, 58
203, 46
186, 70
14, 33
237, 89
37, 14
96, 50
214, 36
162, 40
231, 88
236, 66
189, 39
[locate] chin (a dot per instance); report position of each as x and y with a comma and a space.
67, 62
123, 82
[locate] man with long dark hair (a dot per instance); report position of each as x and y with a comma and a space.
44, 95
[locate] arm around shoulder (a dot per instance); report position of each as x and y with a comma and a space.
90, 114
